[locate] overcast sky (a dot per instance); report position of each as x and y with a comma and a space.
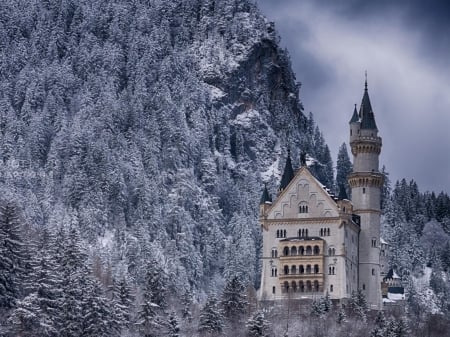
405, 48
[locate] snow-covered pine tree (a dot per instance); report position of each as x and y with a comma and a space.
211, 317
234, 299
257, 325
343, 168
173, 326
12, 251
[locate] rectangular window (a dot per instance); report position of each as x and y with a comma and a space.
273, 290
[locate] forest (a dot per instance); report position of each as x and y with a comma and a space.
136, 138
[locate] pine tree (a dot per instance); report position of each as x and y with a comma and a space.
173, 326
358, 304
12, 252
234, 299
186, 303
149, 321
257, 326
343, 168
342, 317
211, 318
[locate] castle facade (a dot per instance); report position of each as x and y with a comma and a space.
315, 243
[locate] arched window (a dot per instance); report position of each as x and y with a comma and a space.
284, 233
286, 270
332, 270
303, 207
293, 269
321, 232
286, 286
306, 232
308, 269
308, 250
308, 286
273, 290
316, 250
316, 269
286, 251
274, 272
301, 250
274, 252
293, 250
331, 288
301, 269
328, 231
329, 270
294, 286
373, 271
374, 242
316, 285
301, 286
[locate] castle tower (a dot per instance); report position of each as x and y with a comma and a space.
366, 182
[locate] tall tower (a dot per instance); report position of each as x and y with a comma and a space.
366, 182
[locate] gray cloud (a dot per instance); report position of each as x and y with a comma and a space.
404, 46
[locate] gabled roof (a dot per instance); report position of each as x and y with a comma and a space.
366, 112
303, 187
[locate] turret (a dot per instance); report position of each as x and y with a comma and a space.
355, 125
288, 173
265, 202
366, 182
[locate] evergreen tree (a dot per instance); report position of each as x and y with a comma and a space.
257, 326
234, 299
173, 326
358, 304
342, 317
149, 322
343, 168
211, 318
12, 251
186, 303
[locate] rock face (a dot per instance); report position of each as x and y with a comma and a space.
150, 126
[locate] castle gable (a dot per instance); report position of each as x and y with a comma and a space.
304, 197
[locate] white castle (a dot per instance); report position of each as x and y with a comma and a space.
314, 243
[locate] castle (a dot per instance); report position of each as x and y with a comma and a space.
314, 243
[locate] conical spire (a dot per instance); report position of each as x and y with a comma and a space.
342, 192
265, 196
355, 117
288, 173
366, 112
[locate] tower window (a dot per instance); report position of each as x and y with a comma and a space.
274, 252
331, 288
273, 290
373, 271
364, 190
374, 243
364, 287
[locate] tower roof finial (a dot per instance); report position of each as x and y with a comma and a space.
365, 84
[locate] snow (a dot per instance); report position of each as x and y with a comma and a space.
245, 118
426, 294
383, 242
216, 93
273, 169
395, 297
106, 241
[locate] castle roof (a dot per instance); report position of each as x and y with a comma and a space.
366, 112
288, 173
355, 117
265, 196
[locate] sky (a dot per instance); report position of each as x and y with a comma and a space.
404, 46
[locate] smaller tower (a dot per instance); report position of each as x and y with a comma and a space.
265, 202
366, 182
288, 173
